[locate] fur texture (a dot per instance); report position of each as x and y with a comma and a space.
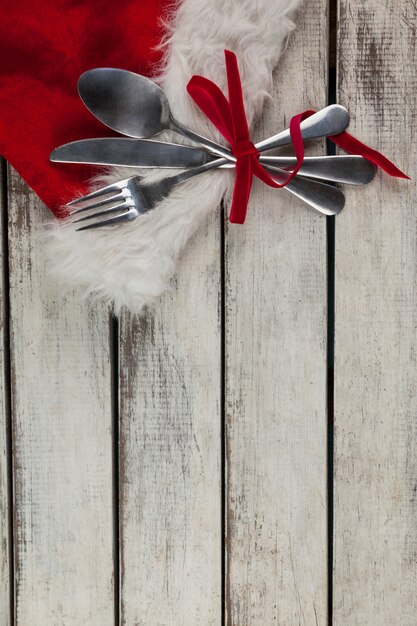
132, 265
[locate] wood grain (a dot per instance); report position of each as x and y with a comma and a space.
375, 560
61, 410
276, 377
5, 504
170, 481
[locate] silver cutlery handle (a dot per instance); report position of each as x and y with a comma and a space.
324, 198
168, 183
347, 169
328, 121
327, 199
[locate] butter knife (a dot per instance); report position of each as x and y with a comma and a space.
350, 169
130, 152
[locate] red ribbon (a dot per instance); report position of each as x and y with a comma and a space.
229, 117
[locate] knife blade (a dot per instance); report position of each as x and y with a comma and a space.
129, 152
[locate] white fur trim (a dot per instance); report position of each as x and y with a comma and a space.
132, 265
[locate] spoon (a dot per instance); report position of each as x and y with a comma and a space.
135, 106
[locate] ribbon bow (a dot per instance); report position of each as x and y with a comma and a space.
229, 117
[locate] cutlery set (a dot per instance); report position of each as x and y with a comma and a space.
138, 108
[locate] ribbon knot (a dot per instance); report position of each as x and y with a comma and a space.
229, 117
245, 148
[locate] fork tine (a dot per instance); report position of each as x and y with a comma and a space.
97, 193
125, 217
96, 205
113, 209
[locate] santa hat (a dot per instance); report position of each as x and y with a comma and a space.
129, 265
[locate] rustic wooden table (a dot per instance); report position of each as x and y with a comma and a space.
181, 468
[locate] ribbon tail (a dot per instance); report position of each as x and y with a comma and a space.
241, 191
270, 179
354, 146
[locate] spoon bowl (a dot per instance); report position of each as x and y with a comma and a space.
135, 106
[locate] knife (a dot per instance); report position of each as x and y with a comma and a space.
147, 153
130, 152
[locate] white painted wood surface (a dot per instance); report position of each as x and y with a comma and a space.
5, 530
375, 560
170, 452
276, 378
62, 422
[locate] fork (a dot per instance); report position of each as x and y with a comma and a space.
131, 197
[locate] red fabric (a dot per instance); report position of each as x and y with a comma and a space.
44, 47
229, 117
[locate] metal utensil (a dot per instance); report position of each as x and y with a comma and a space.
135, 106
331, 120
127, 199
127, 152
347, 169
130, 153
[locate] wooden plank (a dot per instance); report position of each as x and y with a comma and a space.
170, 507
276, 377
61, 409
5, 530
375, 559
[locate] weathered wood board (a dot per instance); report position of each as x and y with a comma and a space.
170, 447
62, 438
5, 504
375, 534
275, 352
